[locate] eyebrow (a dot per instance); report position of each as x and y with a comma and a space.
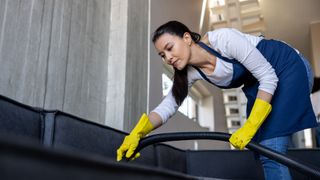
164, 48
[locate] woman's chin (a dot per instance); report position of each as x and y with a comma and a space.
180, 67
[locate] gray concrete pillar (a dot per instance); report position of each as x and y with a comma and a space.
127, 63
117, 58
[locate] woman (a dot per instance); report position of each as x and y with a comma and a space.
276, 80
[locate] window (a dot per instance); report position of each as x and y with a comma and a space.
235, 123
234, 111
166, 84
189, 106
232, 98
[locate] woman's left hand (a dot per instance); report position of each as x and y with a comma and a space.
259, 113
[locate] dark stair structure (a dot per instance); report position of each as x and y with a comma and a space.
47, 144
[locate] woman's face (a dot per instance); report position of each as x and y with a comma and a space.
174, 50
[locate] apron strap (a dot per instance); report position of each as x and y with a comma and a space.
214, 52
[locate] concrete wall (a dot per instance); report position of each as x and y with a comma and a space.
53, 54
84, 57
127, 81
137, 62
315, 46
289, 20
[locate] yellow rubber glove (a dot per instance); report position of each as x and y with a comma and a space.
259, 113
131, 141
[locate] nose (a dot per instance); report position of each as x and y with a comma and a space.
169, 58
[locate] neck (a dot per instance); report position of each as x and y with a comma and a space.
202, 58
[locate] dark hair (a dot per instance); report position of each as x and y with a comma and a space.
180, 78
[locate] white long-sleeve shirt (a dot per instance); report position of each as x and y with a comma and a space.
232, 44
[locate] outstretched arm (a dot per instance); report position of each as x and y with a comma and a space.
264, 96
155, 119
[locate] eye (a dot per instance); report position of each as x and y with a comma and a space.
162, 56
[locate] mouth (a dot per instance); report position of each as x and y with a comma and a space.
176, 63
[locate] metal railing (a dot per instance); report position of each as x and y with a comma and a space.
307, 169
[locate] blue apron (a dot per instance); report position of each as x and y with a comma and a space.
291, 105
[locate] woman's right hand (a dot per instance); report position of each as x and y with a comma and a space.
131, 142
129, 145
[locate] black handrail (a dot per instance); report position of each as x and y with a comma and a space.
302, 167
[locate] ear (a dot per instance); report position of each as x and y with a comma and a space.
187, 38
